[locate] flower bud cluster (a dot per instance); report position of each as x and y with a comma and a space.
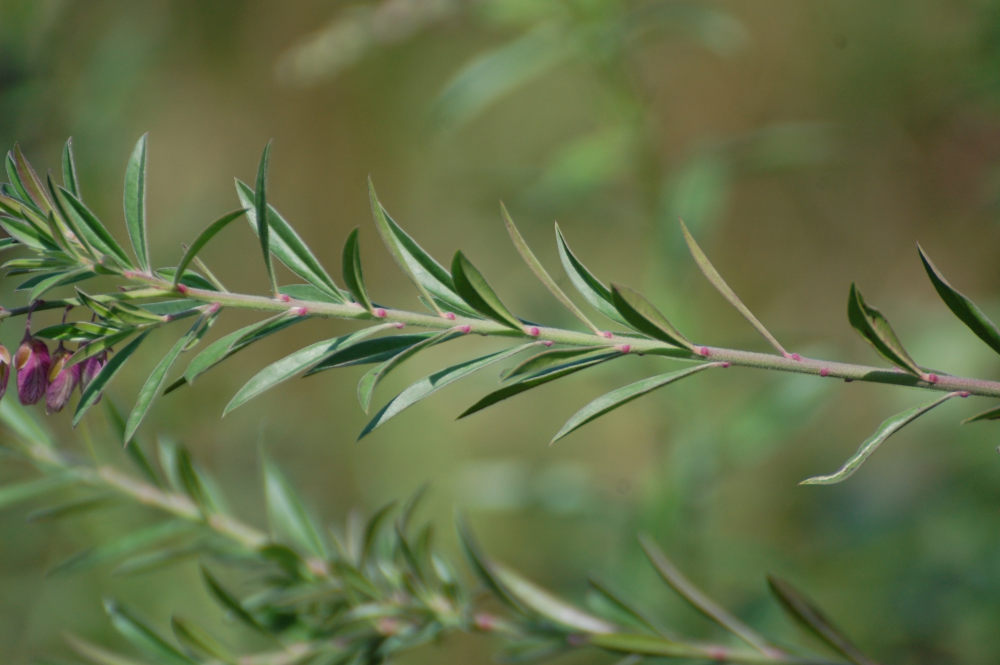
41, 374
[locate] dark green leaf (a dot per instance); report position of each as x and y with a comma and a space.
649, 645
431, 384
366, 386
237, 340
615, 600
61, 278
93, 230
287, 514
143, 637
17, 188
353, 276
27, 234
368, 351
260, 213
122, 546
644, 317
540, 272
431, 279
547, 359
203, 239
94, 389
197, 640
540, 378
98, 346
547, 605
875, 328
720, 285
29, 182
888, 427
472, 286
308, 292
624, 395
135, 202
483, 567
230, 602
290, 365
69, 169
592, 290
288, 247
17, 492
806, 612
966, 310
989, 414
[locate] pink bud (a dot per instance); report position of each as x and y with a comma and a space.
299, 311
182, 288
449, 315
606, 334
465, 329
33, 363
931, 378
703, 351
824, 372
62, 381
399, 325
284, 297
90, 368
547, 342
964, 393
379, 313
624, 348
214, 307
796, 357
725, 364
533, 331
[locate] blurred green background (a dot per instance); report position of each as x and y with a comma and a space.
807, 144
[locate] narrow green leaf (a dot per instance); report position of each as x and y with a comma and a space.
26, 234
287, 367
966, 310
650, 645
151, 388
226, 346
432, 281
98, 346
546, 359
366, 386
540, 378
70, 508
989, 414
197, 640
353, 276
260, 212
17, 188
472, 287
875, 328
431, 384
97, 654
549, 606
143, 637
96, 387
135, 202
699, 600
540, 272
70, 181
230, 602
644, 317
203, 239
15, 493
191, 481
624, 395
616, 601
368, 351
135, 452
288, 247
484, 568
591, 288
93, 229
720, 285
152, 537
61, 278
806, 612
286, 513
372, 530
888, 427
30, 183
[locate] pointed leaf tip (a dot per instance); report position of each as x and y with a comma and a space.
353, 276
135, 202
875, 328
643, 316
477, 293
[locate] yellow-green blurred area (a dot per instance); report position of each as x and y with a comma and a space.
806, 144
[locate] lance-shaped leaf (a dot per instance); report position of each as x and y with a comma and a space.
17, 492
70, 181
713, 276
230, 602
92, 229
432, 281
135, 202
125, 545
540, 272
699, 600
549, 606
151, 388
29, 183
287, 514
431, 384
651, 645
644, 317
368, 351
97, 347
472, 286
196, 639
371, 378
292, 364
143, 637
93, 391
615, 600
545, 360
621, 396
288, 247
61, 278
875, 328
78, 331
483, 567
960, 305
15, 188
260, 212
353, 276
989, 414
99, 655
888, 427
540, 378
591, 288
806, 612
203, 239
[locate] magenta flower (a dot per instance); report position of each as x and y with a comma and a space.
62, 380
33, 363
4, 369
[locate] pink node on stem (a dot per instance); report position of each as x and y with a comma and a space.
399, 325
824, 372
794, 356
725, 364
182, 288
717, 653
547, 342
606, 334
931, 378
533, 331
703, 351
624, 348
465, 329
284, 297
214, 307
964, 393
299, 311
449, 315
379, 313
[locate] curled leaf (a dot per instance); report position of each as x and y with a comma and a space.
353, 277
474, 289
875, 328
966, 310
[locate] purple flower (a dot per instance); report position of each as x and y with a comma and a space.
89, 368
62, 381
4, 369
33, 363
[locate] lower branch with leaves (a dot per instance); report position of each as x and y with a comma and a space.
356, 595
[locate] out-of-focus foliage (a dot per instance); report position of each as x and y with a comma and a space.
811, 151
